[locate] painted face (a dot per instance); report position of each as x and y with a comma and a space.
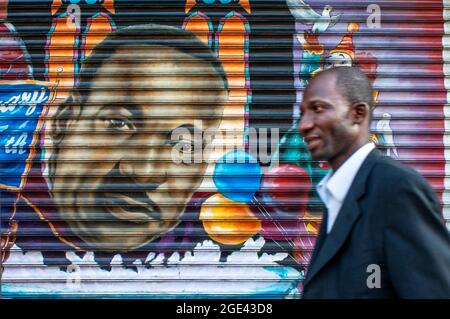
337, 59
115, 179
326, 122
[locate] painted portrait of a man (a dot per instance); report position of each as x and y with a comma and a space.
107, 193
112, 172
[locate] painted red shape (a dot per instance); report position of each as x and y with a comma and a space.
286, 187
285, 191
14, 61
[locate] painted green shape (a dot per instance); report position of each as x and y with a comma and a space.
309, 66
292, 150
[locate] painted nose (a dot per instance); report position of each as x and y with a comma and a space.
147, 167
149, 173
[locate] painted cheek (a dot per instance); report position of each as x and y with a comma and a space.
190, 183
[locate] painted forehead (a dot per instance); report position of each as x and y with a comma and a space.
160, 61
160, 77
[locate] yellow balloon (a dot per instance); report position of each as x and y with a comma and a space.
228, 222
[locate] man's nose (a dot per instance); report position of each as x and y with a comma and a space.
306, 123
147, 166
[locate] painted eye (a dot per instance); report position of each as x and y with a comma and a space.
120, 124
187, 147
344, 60
117, 123
328, 65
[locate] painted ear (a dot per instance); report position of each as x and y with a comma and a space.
66, 115
361, 111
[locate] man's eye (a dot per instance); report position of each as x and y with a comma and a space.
317, 108
120, 124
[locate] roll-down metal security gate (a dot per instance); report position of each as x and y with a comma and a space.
150, 148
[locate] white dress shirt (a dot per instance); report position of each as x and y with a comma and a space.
333, 188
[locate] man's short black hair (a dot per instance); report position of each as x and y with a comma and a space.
145, 34
353, 84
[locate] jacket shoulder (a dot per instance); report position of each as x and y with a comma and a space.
394, 172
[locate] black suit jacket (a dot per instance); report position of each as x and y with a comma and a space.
388, 241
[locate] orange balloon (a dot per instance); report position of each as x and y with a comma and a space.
228, 222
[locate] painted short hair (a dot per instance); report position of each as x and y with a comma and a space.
146, 34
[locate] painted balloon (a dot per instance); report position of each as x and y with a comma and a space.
237, 176
284, 195
286, 187
227, 221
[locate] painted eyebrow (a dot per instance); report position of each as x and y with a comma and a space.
190, 127
135, 111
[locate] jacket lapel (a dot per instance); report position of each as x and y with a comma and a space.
343, 225
322, 235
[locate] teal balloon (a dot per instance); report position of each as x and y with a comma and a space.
292, 149
237, 176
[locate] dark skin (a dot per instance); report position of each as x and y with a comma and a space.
332, 127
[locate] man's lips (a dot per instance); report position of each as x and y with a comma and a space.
130, 208
313, 141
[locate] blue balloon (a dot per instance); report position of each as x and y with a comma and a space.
237, 176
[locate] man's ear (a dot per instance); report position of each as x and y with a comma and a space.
361, 112
66, 115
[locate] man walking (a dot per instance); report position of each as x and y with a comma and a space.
382, 235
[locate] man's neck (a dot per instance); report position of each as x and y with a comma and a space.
340, 159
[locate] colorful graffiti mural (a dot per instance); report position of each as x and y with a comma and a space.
97, 97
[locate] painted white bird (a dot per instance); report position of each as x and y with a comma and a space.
385, 130
306, 15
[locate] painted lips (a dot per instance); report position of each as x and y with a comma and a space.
131, 208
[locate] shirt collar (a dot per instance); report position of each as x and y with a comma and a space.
338, 183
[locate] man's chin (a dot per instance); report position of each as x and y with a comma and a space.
317, 155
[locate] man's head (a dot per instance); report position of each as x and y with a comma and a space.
113, 175
336, 114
